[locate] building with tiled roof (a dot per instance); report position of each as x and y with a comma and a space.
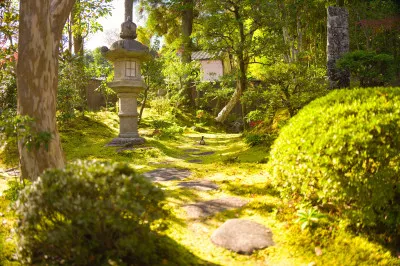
212, 66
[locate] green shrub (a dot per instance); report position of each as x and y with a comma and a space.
285, 86
343, 150
14, 188
71, 87
254, 138
161, 105
90, 213
369, 68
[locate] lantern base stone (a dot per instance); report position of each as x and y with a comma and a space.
120, 142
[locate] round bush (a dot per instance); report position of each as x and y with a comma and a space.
343, 150
90, 213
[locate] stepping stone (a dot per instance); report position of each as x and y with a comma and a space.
163, 162
203, 185
167, 174
12, 172
204, 153
242, 236
195, 161
211, 207
191, 150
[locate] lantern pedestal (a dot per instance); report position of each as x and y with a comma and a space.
128, 115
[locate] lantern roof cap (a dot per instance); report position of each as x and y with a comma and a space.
127, 47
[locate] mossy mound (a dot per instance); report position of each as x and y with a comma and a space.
343, 150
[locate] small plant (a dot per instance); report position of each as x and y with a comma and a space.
16, 128
160, 124
255, 139
255, 116
161, 105
308, 217
199, 114
14, 188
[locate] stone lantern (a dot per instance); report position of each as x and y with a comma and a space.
126, 55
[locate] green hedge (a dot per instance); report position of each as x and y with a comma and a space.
370, 68
90, 213
343, 150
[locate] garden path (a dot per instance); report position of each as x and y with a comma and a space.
239, 235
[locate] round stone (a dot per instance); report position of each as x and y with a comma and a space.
242, 236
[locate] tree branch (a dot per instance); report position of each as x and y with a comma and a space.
59, 10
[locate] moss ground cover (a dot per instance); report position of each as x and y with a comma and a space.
239, 171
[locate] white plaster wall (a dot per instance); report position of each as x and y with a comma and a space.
212, 69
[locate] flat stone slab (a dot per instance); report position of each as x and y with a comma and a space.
203, 185
195, 161
167, 174
126, 142
162, 162
211, 207
204, 153
242, 236
12, 172
191, 150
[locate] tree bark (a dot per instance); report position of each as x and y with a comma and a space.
77, 28
40, 28
223, 114
187, 28
146, 93
242, 79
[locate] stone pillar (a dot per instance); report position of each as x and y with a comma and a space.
128, 127
337, 45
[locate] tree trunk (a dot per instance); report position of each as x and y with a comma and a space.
146, 93
223, 114
77, 28
240, 88
40, 28
187, 28
285, 34
128, 9
242, 78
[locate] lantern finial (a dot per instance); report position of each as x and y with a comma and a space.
128, 29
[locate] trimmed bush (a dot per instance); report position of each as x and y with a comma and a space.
90, 213
343, 150
370, 68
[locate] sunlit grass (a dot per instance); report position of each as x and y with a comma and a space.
239, 171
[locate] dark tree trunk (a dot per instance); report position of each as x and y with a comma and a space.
146, 93
187, 28
340, 3
40, 28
